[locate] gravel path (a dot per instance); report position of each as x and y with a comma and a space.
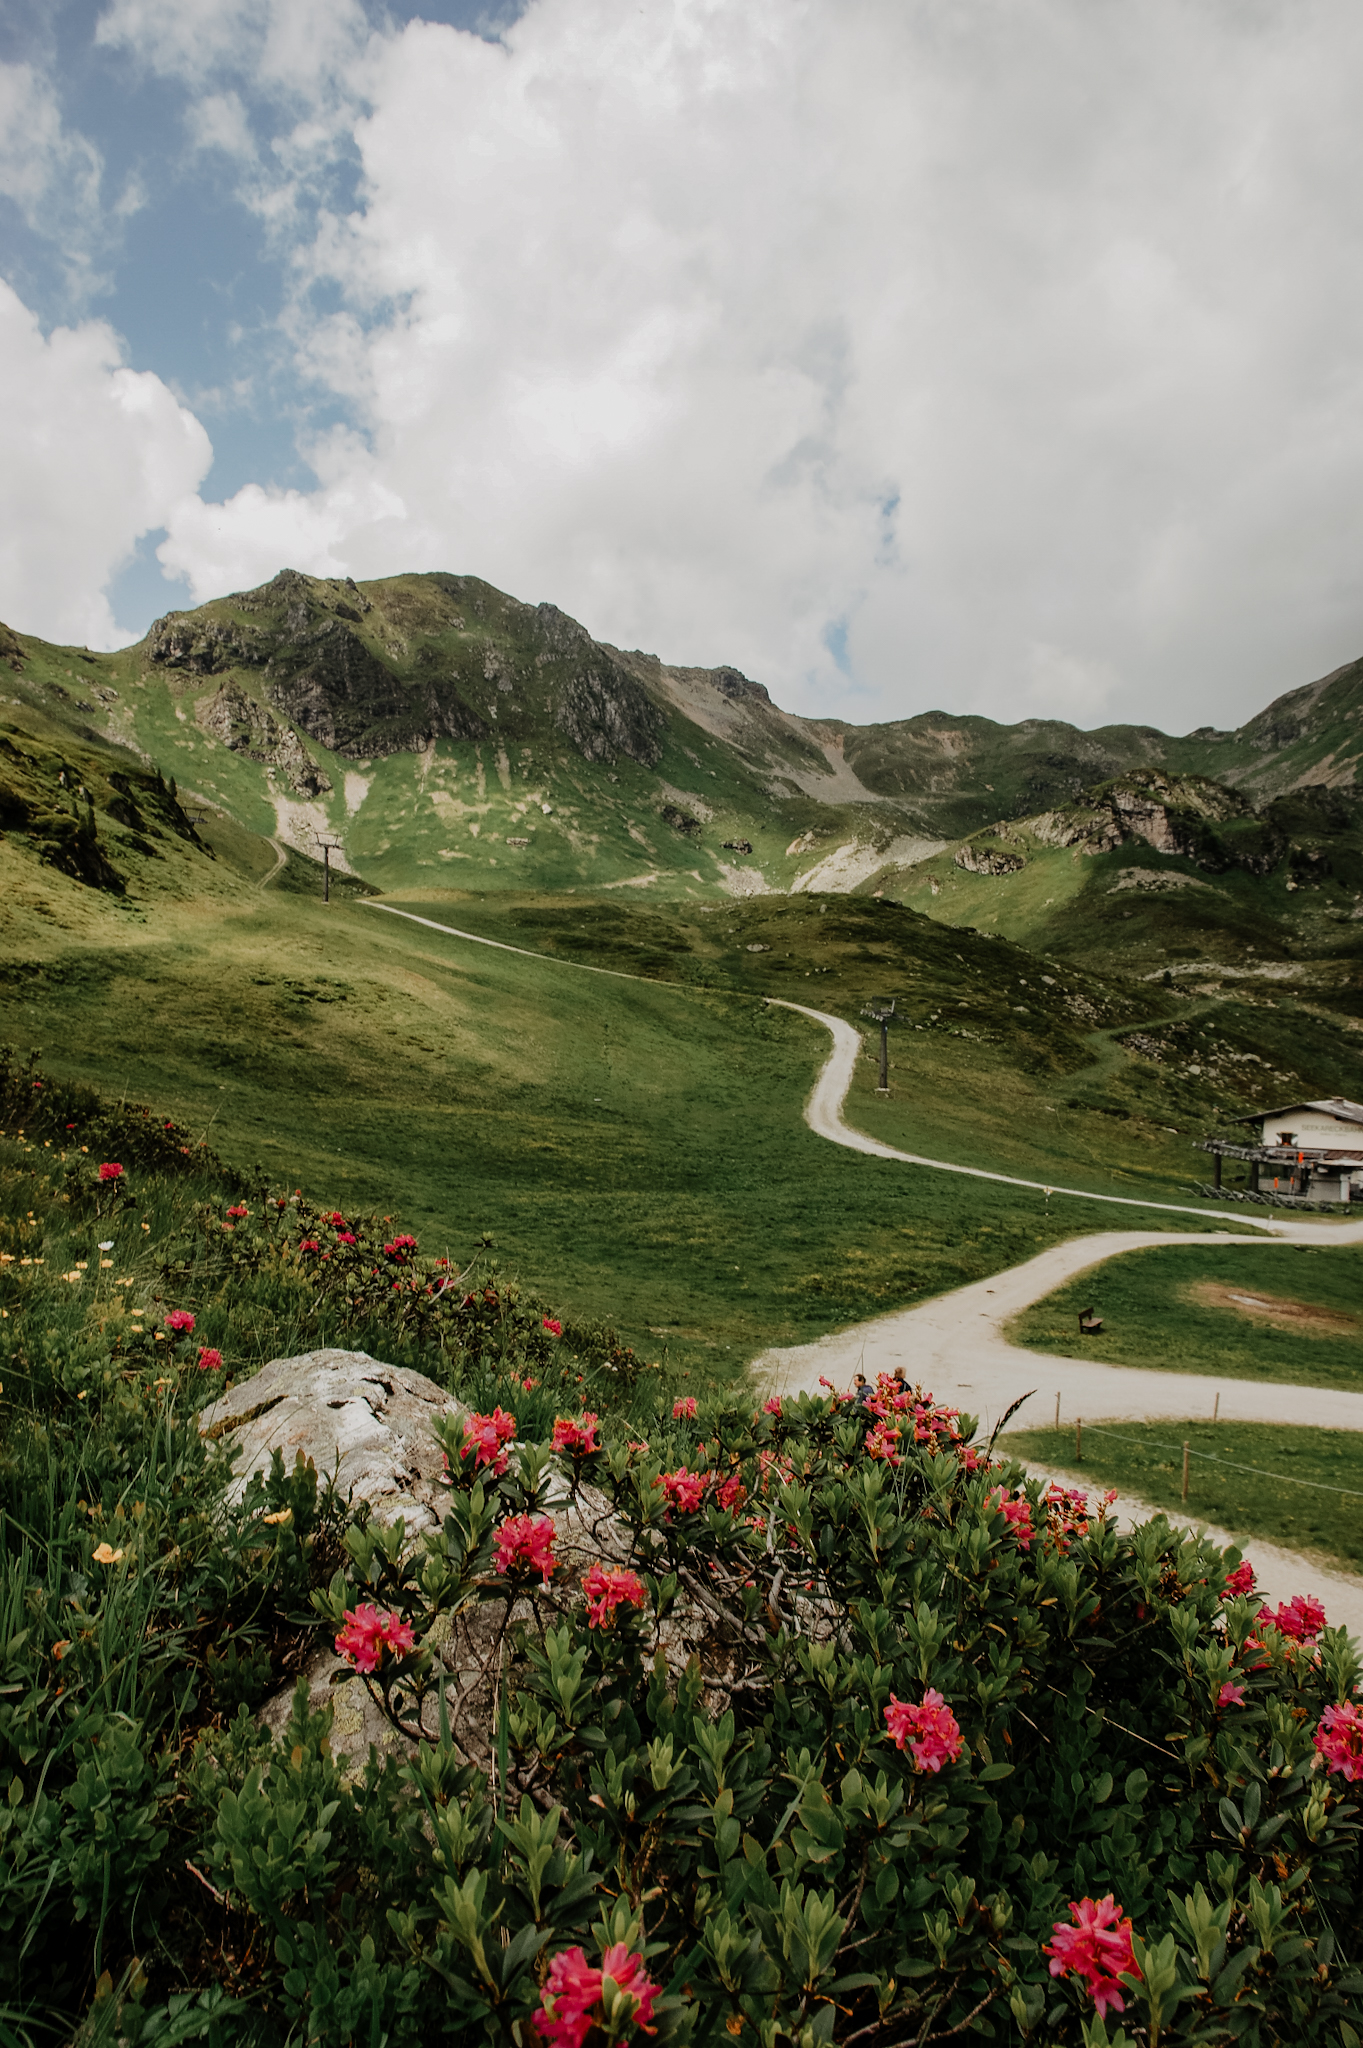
955, 1343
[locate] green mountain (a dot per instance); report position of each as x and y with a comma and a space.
446, 734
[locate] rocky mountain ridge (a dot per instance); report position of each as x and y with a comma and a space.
537, 755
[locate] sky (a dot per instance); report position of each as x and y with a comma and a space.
998, 356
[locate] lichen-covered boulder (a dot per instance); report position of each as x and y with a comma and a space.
367, 1423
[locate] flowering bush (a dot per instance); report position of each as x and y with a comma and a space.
574, 1996
367, 1634
684, 1490
1339, 1738
111, 1170
1301, 1619
577, 1439
485, 1437
525, 1543
1097, 1948
835, 1741
930, 1732
607, 1588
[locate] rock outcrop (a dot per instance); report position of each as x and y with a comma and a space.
367, 1423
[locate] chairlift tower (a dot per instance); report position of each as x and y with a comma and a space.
328, 846
880, 1010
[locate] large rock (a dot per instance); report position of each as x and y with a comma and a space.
366, 1422
370, 1424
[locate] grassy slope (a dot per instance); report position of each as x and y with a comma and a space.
637, 1150
1146, 1459
1152, 1317
1003, 1061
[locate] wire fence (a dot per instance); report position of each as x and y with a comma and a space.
1230, 1464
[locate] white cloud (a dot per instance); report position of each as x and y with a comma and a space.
236, 545
94, 455
219, 121
50, 173
294, 46
963, 337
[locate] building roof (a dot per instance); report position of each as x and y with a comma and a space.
1334, 1105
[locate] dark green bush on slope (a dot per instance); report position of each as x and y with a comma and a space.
741, 1824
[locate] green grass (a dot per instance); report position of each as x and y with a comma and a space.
1152, 1315
1274, 1501
636, 1149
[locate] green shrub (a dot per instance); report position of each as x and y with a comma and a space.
660, 1786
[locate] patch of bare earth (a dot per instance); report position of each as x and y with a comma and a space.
1274, 1308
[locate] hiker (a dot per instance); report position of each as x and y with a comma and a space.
861, 1390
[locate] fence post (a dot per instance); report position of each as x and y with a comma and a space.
1078, 1439
1185, 1471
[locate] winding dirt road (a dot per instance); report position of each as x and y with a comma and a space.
955, 1342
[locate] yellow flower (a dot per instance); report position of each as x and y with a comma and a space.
81, 1265
104, 1555
282, 1515
70, 1276
106, 1262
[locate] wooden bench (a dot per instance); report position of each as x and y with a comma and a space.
1089, 1323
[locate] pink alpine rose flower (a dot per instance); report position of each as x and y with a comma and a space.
180, 1321
111, 1170
1339, 1739
1097, 1948
1231, 1695
684, 1408
685, 1490
578, 1439
883, 1442
209, 1360
484, 1436
1017, 1513
572, 2004
1240, 1581
608, 1587
931, 1731
525, 1544
1301, 1620
731, 1494
553, 1326
368, 1632
773, 1406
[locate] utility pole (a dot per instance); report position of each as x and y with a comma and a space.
328, 846
881, 1011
